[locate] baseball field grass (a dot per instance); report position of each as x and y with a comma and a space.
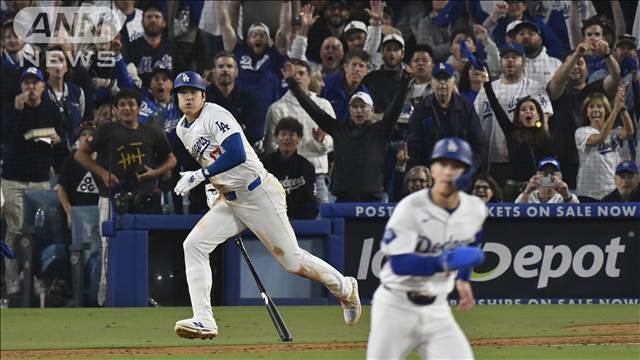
496, 332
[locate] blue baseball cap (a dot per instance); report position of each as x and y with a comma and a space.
629, 166
33, 72
529, 24
549, 161
512, 48
443, 68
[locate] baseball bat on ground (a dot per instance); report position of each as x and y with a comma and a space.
281, 327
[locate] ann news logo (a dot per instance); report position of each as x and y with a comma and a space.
88, 28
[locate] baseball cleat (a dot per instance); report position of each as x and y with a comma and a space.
196, 329
351, 305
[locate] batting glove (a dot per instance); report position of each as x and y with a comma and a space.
212, 194
461, 257
188, 180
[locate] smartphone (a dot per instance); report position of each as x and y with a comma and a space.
548, 181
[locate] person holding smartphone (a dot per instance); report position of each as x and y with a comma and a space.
546, 186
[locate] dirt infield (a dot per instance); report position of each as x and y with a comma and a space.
633, 328
213, 349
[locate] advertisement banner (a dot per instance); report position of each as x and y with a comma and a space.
534, 258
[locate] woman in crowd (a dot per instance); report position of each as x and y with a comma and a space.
486, 188
528, 139
471, 80
599, 145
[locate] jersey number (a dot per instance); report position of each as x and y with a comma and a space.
222, 126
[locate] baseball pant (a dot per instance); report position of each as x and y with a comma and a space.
264, 211
399, 327
13, 209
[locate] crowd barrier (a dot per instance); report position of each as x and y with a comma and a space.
576, 253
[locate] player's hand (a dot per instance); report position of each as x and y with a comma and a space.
148, 174
110, 180
212, 195
461, 257
188, 180
465, 293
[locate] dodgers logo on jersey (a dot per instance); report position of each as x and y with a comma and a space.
199, 147
427, 246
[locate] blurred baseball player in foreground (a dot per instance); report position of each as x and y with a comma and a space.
427, 241
250, 198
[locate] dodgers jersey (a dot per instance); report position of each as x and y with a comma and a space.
418, 226
203, 140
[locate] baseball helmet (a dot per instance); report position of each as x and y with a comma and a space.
189, 79
452, 148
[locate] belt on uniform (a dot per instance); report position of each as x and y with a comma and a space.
416, 298
231, 195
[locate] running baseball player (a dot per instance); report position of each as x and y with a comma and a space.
250, 197
428, 244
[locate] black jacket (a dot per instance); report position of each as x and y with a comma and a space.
614, 196
359, 150
426, 127
28, 160
297, 176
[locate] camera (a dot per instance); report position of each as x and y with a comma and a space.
548, 181
141, 203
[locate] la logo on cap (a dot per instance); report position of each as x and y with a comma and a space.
451, 146
32, 70
185, 77
442, 66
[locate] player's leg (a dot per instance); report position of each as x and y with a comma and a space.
264, 211
393, 332
446, 339
217, 225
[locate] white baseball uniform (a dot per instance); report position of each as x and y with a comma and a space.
399, 325
252, 198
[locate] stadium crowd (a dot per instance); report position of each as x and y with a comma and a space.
343, 101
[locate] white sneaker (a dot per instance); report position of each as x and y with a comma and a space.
351, 305
196, 329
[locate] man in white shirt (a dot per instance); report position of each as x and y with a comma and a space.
547, 186
315, 143
539, 66
509, 88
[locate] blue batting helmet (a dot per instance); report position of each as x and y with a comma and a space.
189, 79
452, 148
